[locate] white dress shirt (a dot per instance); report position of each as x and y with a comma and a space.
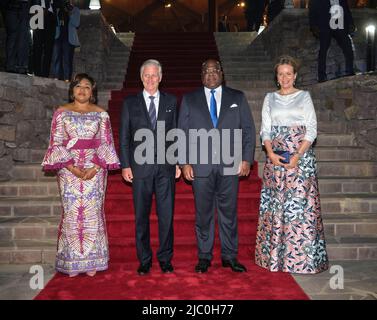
148, 100
218, 94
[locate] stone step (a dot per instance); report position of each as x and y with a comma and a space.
351, 225
50, 206
346, 186
32, 252
329, 154
352, 248
250, 76
46, 228
26, 251
340, 169
112, 86
249, 85
334, 127
29, 228
327, 185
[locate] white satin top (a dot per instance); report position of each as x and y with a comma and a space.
294, 109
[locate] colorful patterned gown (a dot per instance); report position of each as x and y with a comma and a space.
82, 140
290, 235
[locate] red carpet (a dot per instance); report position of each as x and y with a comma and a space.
181, 56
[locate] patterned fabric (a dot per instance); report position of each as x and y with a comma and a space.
82, 140
290, 234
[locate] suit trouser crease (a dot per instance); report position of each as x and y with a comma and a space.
143, 189
220, 192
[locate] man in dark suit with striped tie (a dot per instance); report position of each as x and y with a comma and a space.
210, 108
141, 112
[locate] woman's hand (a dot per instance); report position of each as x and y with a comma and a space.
76, 171
293, 162
275, 159
89, 173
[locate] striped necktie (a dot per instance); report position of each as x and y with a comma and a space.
152, 112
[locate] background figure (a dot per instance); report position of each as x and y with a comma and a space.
319, 19
43, 39
290, 234
66, 39
18, 35
273, 9
215, 106
254, 14
82, 151
223, 24
142, 111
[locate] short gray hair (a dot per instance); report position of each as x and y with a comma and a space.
151, 62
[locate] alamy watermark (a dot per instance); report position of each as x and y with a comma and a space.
37, 280
337, 281
337, 17
225, 146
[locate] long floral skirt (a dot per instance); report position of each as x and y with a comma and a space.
290, 234
82, 239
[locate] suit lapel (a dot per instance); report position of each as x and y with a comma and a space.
203, 105
226, 101
144, 109
161, 107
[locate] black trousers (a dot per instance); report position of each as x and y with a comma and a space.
18, 38
216, 192
43, 44
164, 189
345, 43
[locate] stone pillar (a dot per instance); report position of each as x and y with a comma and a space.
288, 4
212, 15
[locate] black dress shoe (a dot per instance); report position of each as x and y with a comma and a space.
234, 265
166, 267
202, 265
144, 268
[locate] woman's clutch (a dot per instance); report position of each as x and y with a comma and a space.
284, 154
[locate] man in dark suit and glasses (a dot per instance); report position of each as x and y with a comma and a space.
142, 111
215, 106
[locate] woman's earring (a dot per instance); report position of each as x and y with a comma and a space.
278, 84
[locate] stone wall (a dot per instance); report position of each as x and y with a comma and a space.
352, 100
96, 39
26, 107
290, 34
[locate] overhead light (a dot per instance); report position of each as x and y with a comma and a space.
94, 5
371, 47
168, 5
241, 4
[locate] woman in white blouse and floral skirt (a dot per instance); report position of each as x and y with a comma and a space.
290, 235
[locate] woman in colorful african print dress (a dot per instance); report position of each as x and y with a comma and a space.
290, 235
82, 150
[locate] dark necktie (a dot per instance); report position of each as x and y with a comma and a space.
152, 112
213, 108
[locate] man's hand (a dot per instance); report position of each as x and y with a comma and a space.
177, 172
127, 174
244, 169
188, 172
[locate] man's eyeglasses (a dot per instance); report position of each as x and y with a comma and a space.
211, 71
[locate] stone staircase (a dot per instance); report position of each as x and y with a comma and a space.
116, 66
30, 208
347, 175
